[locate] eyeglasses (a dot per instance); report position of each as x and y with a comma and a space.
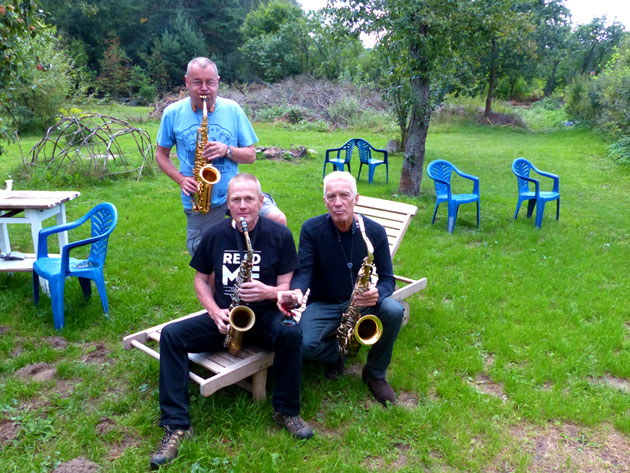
208, 83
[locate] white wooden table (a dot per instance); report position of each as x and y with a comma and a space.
30, 207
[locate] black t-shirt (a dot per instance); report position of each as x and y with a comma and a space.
223, 247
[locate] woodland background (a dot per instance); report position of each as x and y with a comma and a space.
427, 55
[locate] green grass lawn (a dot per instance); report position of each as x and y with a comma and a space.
521, 332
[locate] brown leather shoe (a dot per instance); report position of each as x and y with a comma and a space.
381, 390
294, 424
169, 446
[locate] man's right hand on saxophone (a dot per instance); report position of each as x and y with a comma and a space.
367, 298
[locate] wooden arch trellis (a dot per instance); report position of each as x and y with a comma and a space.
92, 144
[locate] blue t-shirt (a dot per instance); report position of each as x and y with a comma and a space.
227, 124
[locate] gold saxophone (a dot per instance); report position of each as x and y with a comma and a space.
205, 174
355, 330
242, 318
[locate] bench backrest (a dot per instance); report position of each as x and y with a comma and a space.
394, 216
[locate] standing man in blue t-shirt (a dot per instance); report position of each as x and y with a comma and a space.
231, 140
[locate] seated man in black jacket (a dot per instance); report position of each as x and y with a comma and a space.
330, 254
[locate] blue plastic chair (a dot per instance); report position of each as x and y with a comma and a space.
365, 156
522, 168
440, 171
339, 162
103, 218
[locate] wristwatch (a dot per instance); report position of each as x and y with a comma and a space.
229, 152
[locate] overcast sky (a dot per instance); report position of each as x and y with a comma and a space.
582, 11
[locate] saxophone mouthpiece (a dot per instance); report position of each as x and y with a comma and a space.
204, 100
244, 224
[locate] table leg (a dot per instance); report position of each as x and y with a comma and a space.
5, 245
61, 220
35, 219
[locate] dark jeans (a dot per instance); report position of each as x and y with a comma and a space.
200, 334
320, 321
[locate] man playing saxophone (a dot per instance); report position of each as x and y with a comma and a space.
230, 142
218, 259
332, 251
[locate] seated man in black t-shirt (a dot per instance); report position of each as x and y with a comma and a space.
217, 262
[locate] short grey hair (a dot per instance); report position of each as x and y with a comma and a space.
246, 177
343, 176
202, 62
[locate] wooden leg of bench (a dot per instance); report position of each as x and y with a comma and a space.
406, 313
259, 385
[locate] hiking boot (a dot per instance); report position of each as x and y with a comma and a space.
294, 424
381, 390
168, 448
334, 370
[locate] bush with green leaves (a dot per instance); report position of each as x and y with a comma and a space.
620, 150
43, 89
604, 100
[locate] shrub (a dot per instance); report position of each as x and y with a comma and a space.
345, 111
544, 116
43, 89
620, 151
582, 99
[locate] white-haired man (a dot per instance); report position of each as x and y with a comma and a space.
330, 253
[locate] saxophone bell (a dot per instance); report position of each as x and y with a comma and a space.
368, 330
242, 319
209, 175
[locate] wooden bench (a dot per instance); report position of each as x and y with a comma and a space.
226, 369
248, 369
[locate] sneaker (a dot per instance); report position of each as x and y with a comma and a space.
294, 424
381, 390
334, 370
168, 448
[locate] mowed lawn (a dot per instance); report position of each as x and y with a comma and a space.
522, 334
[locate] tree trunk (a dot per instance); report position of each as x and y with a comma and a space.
551, 81
492, 80
415, 145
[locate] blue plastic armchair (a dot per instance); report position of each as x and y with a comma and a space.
339, 161
103, 218
440, 171
522, 168
365, 156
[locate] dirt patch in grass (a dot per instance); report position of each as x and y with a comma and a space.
77, 465
4, 329
485, 385
407, 399
567, 447
96, 353
37, 372
117, 450
8, 431
612, 381
106, 425
56, 342
501, 119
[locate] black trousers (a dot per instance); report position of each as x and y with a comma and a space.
200, 334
